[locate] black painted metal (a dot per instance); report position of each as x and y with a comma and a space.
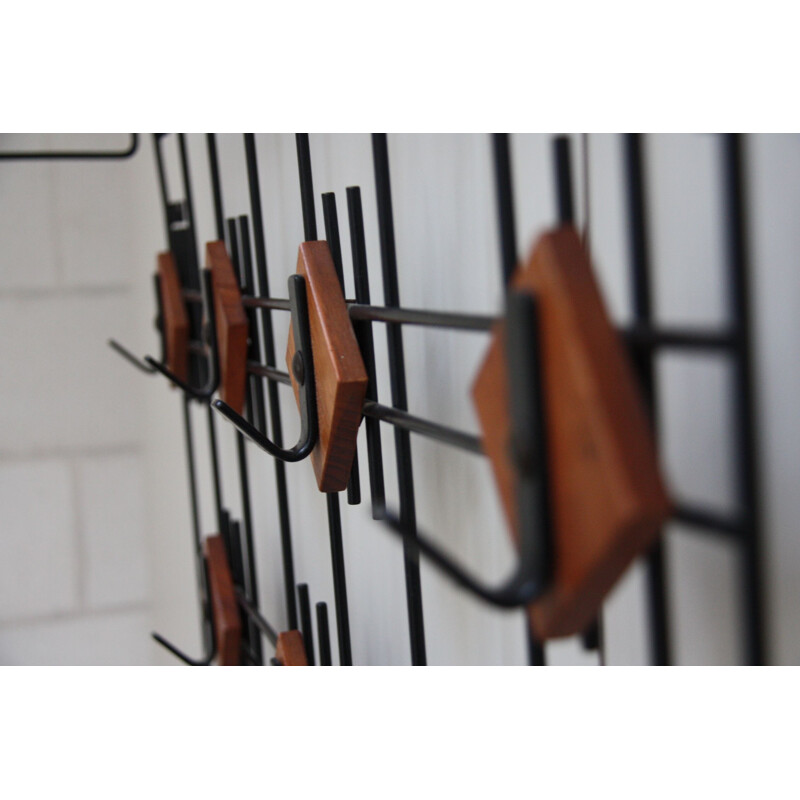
323, 635
305, 622
643, 361
268, 338
72, 155
397, 376
744, 399
504, 189
363, 331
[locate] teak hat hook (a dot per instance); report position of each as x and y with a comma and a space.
205, 392
528, 448
303, 371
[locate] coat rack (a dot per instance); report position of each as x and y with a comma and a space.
576, 398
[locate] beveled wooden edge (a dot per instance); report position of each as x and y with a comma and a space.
290, 650
339, 371
175, 319
227, 621
564, 610
231, 326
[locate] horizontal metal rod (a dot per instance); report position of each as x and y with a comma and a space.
66, 155
433, 319
406, 421
710, 520
647, 337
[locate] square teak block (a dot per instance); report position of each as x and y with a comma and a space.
339, 372
608, 500
227, 623
174, 319
231, 326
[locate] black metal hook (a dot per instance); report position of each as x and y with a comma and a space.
527, 443
126, 354
208, 624
303, 369
203, 392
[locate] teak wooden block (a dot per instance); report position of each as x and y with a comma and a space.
339, 372
231, 326
290, 650
608, 500
174, 317
227, 623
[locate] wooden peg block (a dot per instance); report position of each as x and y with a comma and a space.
339, 372
608, 500
291, 651
231, 326
174, 317
227, 622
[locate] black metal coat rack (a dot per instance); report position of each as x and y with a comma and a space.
261, 422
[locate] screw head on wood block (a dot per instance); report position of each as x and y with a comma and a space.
231, 326
607, 496
290, 650
339, 372
227, 622
175, 320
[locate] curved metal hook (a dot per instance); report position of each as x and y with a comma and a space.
527, 442
126, 354
203, 662
202, 392
303, 369
208, 630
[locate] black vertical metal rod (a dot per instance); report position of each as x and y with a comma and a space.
745, 416
259, 242
366, 343
255, 385
238, 573
305, 622
323, 635
213, 163
505, 204
162, 180
306, 186
251, 584
216, 188
565, 202
199, 563
339, 582
391, 291
334, 513
643, 313
187, 423
187, 188
564, 193
504, 187
331, 219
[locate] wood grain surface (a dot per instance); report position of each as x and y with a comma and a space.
290, 650
174, 316
227, 622
608, 499
231, 326
339, 371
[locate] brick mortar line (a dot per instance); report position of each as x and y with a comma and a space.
66, 452
65, 291
73, 616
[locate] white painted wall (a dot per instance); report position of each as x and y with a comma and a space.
448, 259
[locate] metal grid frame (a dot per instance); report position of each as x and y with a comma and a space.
644, 338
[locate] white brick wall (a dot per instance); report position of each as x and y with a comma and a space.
74, 576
